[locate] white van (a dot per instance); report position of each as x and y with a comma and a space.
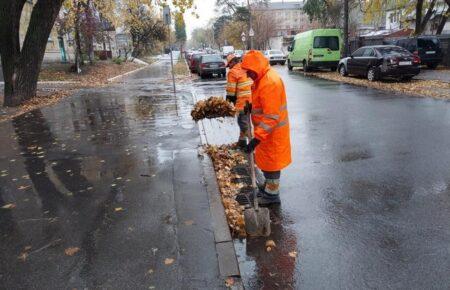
226, 50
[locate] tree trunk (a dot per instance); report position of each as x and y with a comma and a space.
10, 12
78, 52
21, 66
443, 19
419, 7
427, 16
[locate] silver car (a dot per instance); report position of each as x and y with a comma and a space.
275, 56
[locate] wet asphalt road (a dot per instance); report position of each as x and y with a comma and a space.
366, 201
104, 173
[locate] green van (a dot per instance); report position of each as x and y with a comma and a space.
318, 48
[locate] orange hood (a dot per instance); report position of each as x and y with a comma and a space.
255, 61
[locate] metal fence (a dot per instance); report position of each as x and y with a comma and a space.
357, 42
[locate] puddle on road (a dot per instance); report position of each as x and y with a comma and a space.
277, 269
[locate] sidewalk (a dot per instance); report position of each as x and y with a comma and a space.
106, 190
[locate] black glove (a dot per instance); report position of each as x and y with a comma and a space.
252, 145
231, 99
247, 108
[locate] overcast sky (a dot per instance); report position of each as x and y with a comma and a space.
206, 11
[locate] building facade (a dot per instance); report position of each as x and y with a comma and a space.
289, 17
52, 52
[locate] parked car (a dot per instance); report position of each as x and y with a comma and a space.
318, 48
195, 58
275, 56
210, 64
239, 53
377, 62
226, 50
428, 48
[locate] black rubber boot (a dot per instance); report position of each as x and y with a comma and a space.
268, 199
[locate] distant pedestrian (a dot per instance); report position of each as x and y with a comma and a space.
239, 93
269, 112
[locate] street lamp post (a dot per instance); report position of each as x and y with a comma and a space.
168, 22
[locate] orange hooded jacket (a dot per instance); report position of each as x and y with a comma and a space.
269, 114
239, 86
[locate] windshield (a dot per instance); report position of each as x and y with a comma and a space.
331, 42
388, 51
428, 43
211, 58
275, 52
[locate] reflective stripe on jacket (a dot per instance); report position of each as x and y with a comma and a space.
239, 86
269, 114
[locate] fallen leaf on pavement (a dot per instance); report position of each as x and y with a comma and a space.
229, 282
27, 248
293, 254
189, 222
268, 249
168, 261
71, 251
22, 187
118, 209
23, 256
270, 243
9, 206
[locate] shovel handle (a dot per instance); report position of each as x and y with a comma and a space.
251, 159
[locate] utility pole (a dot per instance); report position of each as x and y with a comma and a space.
346, 48
168, 22
251, 33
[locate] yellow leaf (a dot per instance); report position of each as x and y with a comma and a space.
189, 222
23, 256
229, 282
168, 261
270, 243
71, 251
118, 209
9, 206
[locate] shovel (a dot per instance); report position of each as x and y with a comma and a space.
257, 219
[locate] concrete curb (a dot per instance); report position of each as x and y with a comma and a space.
120, 77
54, 83
226, 253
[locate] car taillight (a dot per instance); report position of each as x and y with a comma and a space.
416, 59
203, 65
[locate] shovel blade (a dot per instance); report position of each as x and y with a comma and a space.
257, 222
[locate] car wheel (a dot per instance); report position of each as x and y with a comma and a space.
432, 65
333, 68
290, 67
202, 76
305, 66
372, 74
283, 63
342, 71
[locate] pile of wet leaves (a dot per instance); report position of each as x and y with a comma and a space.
225, 158
422, 88
213, 107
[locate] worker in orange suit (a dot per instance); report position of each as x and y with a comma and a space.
271, 141
239, 93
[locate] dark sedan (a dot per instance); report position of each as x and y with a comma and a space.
210, 64
377, 62
193, 61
